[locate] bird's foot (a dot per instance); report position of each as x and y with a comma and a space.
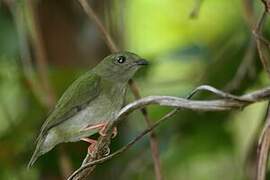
103, 133
92, 147
115, 132
102, 127
91, 127
106, 151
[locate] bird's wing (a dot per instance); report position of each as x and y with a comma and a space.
79, 94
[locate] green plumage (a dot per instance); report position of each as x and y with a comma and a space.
75, 98
95, 97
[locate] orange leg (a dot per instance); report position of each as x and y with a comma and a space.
97, 126
92, 146
102, 133
101, 127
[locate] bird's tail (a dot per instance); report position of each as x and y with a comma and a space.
36, 153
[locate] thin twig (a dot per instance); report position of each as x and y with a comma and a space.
247, 69
258, 32
263, 39
134, 88
125, 148
263, 148
264, 141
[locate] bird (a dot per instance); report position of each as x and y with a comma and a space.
89, 103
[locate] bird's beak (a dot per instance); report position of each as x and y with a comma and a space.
141, 62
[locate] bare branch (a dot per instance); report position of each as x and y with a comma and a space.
230, 102
125, 148
260, 43
214, 91
263, 148
264, 141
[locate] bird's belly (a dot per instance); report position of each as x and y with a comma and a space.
100, 110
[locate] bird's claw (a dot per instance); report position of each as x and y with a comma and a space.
107, 151
92, 149
114, 133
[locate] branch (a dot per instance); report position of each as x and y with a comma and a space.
264, 141
229, 102
123, 149
260, 42
263, 148
134, 88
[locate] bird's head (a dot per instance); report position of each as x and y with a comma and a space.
120, 66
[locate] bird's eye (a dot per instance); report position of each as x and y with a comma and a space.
121, 59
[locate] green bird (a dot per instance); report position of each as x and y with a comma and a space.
89, 103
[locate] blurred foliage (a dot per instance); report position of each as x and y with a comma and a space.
183, 52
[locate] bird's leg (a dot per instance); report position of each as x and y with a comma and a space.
92, 146
97, 126
102, 133
102, 127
